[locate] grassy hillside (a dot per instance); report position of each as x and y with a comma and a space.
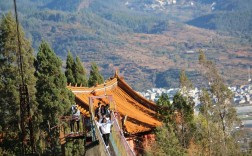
148, 48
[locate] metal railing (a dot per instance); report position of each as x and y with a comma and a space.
118, 141
65, 130
96, 133
119, 144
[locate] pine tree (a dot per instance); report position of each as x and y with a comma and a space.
184, 128
95, 77
69, 73
79, 73
165, 109
53, 97
184, 82
10, 81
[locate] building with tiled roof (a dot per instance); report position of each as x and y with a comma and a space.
139, 112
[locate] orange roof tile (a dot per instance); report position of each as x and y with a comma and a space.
140, 112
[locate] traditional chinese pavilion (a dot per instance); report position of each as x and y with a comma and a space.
137, 113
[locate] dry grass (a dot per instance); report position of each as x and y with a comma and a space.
141, 49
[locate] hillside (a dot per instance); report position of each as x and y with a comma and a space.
148, 46
229, 16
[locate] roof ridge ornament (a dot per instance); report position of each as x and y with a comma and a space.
116, 73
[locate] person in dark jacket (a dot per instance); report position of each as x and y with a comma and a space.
98, 111
107, 110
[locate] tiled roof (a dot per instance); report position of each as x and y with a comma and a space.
140, 112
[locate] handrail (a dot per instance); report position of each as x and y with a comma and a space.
65, 122
118, 140
97, 130
119, 144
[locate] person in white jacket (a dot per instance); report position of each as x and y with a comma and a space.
105, 126
75, 118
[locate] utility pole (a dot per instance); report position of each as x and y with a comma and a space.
26, 137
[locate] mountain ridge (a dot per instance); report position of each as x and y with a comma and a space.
147, 47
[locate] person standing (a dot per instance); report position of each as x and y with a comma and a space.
103, 110
107, 110
75, 118
98, 111
105, 126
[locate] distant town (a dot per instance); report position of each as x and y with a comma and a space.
242, 94
241, 100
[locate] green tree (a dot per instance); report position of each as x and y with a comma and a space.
53, 97
69, 73
206, 137
79, 73
206, 111
165, 109
202, 57
166, 143
221, 110
184, 82
209, 132
10, 80
95, 77
184, 109
75, 147
183, 105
